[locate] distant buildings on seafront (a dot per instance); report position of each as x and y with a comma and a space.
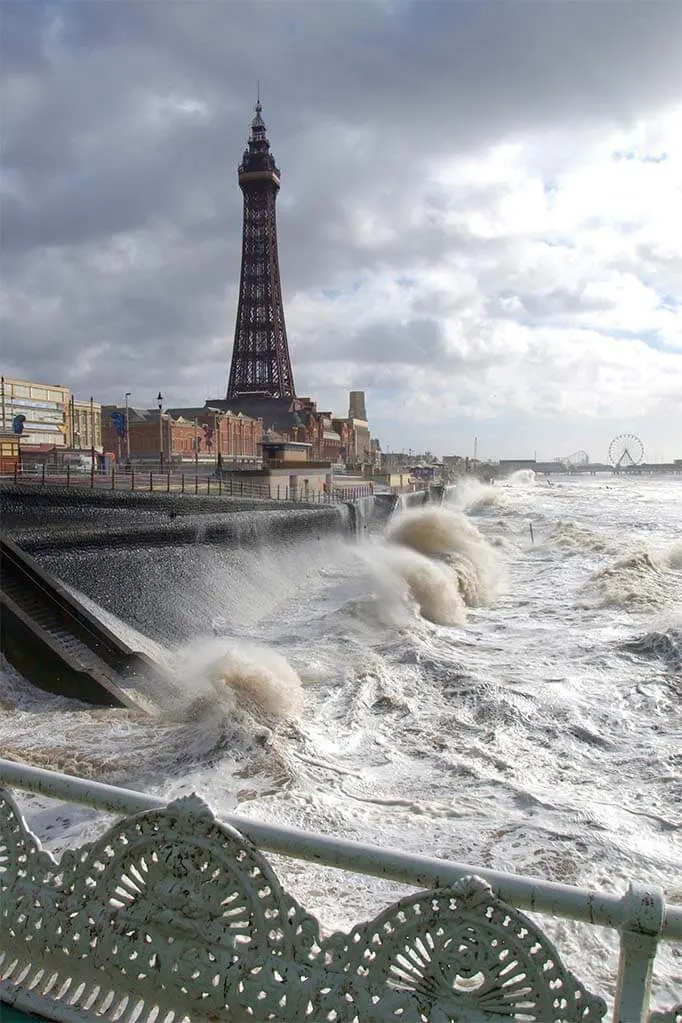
56, 427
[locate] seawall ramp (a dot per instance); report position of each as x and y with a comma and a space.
55, 642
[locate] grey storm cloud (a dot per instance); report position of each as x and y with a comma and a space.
127, 120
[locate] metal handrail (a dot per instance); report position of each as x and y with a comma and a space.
184, 483
641, 915
54, 597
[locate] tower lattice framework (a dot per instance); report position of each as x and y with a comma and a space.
260, 356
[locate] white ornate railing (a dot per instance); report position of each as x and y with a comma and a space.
172, 915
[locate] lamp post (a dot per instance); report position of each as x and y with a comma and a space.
159, 399
217, 423
72, 423
128, 395
92, 434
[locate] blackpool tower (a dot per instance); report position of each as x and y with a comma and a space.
261, 365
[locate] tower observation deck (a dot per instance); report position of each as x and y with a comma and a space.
261, 365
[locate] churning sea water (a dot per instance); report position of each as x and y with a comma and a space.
449, 686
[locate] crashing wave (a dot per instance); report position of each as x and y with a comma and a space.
576, 539
520, 478
445, 561
661, 646
256, 676
471, 495
640, 579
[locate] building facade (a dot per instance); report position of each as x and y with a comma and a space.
359, 442
45, 410
85, 425
170, 438
54, 421
9, 453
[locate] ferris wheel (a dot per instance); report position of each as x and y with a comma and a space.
625, 451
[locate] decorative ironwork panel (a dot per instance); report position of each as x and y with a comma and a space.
260, 356
673, 1015
172, 915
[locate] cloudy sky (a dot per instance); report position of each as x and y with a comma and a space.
480, 220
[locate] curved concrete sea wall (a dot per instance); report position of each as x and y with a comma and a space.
158, 561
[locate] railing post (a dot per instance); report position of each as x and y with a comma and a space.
43, 479
643, 915
196, 484
168, 483
113, 478
132, 480
220, 486
16, 471
151, 483
182, 483
92, 477
68, 475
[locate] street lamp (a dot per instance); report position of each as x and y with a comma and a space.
128, 395
160, 399
217, 424
92, 434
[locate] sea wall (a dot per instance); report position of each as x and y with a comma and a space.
258, 529
21, 503
47, 518
44, 519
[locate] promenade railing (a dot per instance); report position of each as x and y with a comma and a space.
143, 481
174, 915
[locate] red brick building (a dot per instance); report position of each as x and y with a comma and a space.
184, 435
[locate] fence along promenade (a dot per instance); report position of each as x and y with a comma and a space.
173, 915
182, 483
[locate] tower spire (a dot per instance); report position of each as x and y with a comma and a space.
260, 356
